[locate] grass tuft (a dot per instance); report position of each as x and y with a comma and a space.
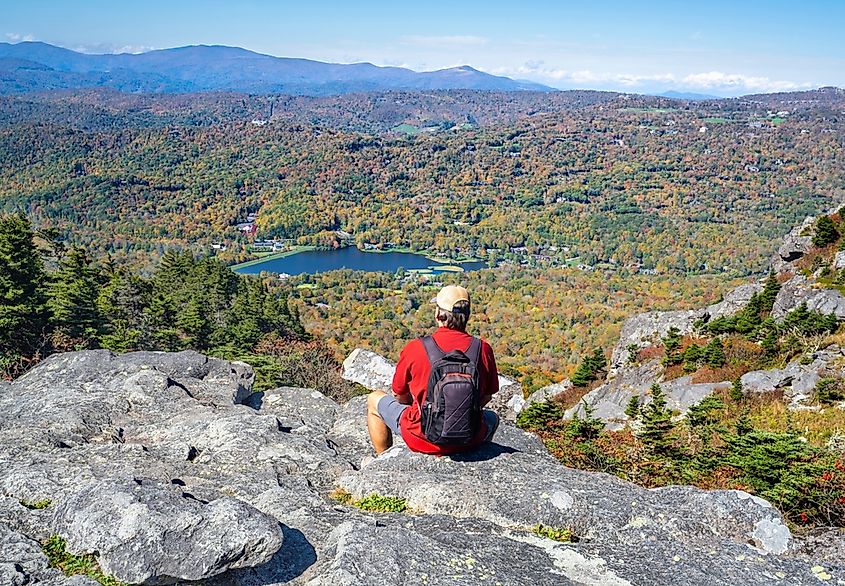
373, 503
55, 548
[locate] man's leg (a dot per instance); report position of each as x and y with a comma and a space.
380, 434
492, 421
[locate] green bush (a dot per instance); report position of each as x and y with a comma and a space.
374, 503
540, 416
830, 390
556, 533
381, 504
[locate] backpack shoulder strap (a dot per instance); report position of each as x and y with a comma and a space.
432, 349
474, 351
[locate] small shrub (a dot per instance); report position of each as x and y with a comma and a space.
342, 496
36, 505
830, 390
556, 533
736, 392
381, 504
55, 548
539, 416
373, 503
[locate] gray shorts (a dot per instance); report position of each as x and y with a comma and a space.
391, 410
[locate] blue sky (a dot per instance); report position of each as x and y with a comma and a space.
716, 47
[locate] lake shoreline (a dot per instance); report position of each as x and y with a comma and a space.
452, 264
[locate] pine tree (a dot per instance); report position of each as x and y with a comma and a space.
714, 353
736, 393
73, 298
825, 232
23, 308
589, 368
770, 292
632, 410
657, 424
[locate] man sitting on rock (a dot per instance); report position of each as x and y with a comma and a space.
441, 383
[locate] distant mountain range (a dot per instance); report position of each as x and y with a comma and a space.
36, 66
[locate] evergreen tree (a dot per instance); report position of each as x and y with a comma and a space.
23, 308
770, 292
672, 343
770, 342
589, 368
73, 298
736, 393
632, 410
825, 232
714, 353
656, 433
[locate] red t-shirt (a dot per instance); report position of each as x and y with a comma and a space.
412, 377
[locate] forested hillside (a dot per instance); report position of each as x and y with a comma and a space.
654, 183
590, 205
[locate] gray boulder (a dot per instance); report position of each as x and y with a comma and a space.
21, 559
548, 392
799, 289
369, 369
147, 533
510, 399
733, 302
794, 246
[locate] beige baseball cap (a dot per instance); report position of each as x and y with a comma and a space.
449, 295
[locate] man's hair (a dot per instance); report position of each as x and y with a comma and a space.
457, 318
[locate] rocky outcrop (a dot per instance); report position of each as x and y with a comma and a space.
733, 302
645, 329
794, 246
799, 289
166, 470
548, 392
609, 400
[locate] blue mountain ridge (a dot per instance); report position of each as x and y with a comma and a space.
35, 66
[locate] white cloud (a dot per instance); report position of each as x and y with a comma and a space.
716, 80
445, 41
109, 48
18, 37
709, 81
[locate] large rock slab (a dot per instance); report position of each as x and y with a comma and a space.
645, 329
640, 536
147, 533
733, 302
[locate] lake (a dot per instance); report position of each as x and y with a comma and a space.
320, 261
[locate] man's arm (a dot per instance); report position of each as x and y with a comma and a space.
402, 378
490, 383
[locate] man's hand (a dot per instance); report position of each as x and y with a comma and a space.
405, 399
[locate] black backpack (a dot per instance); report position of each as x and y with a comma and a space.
451, 413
